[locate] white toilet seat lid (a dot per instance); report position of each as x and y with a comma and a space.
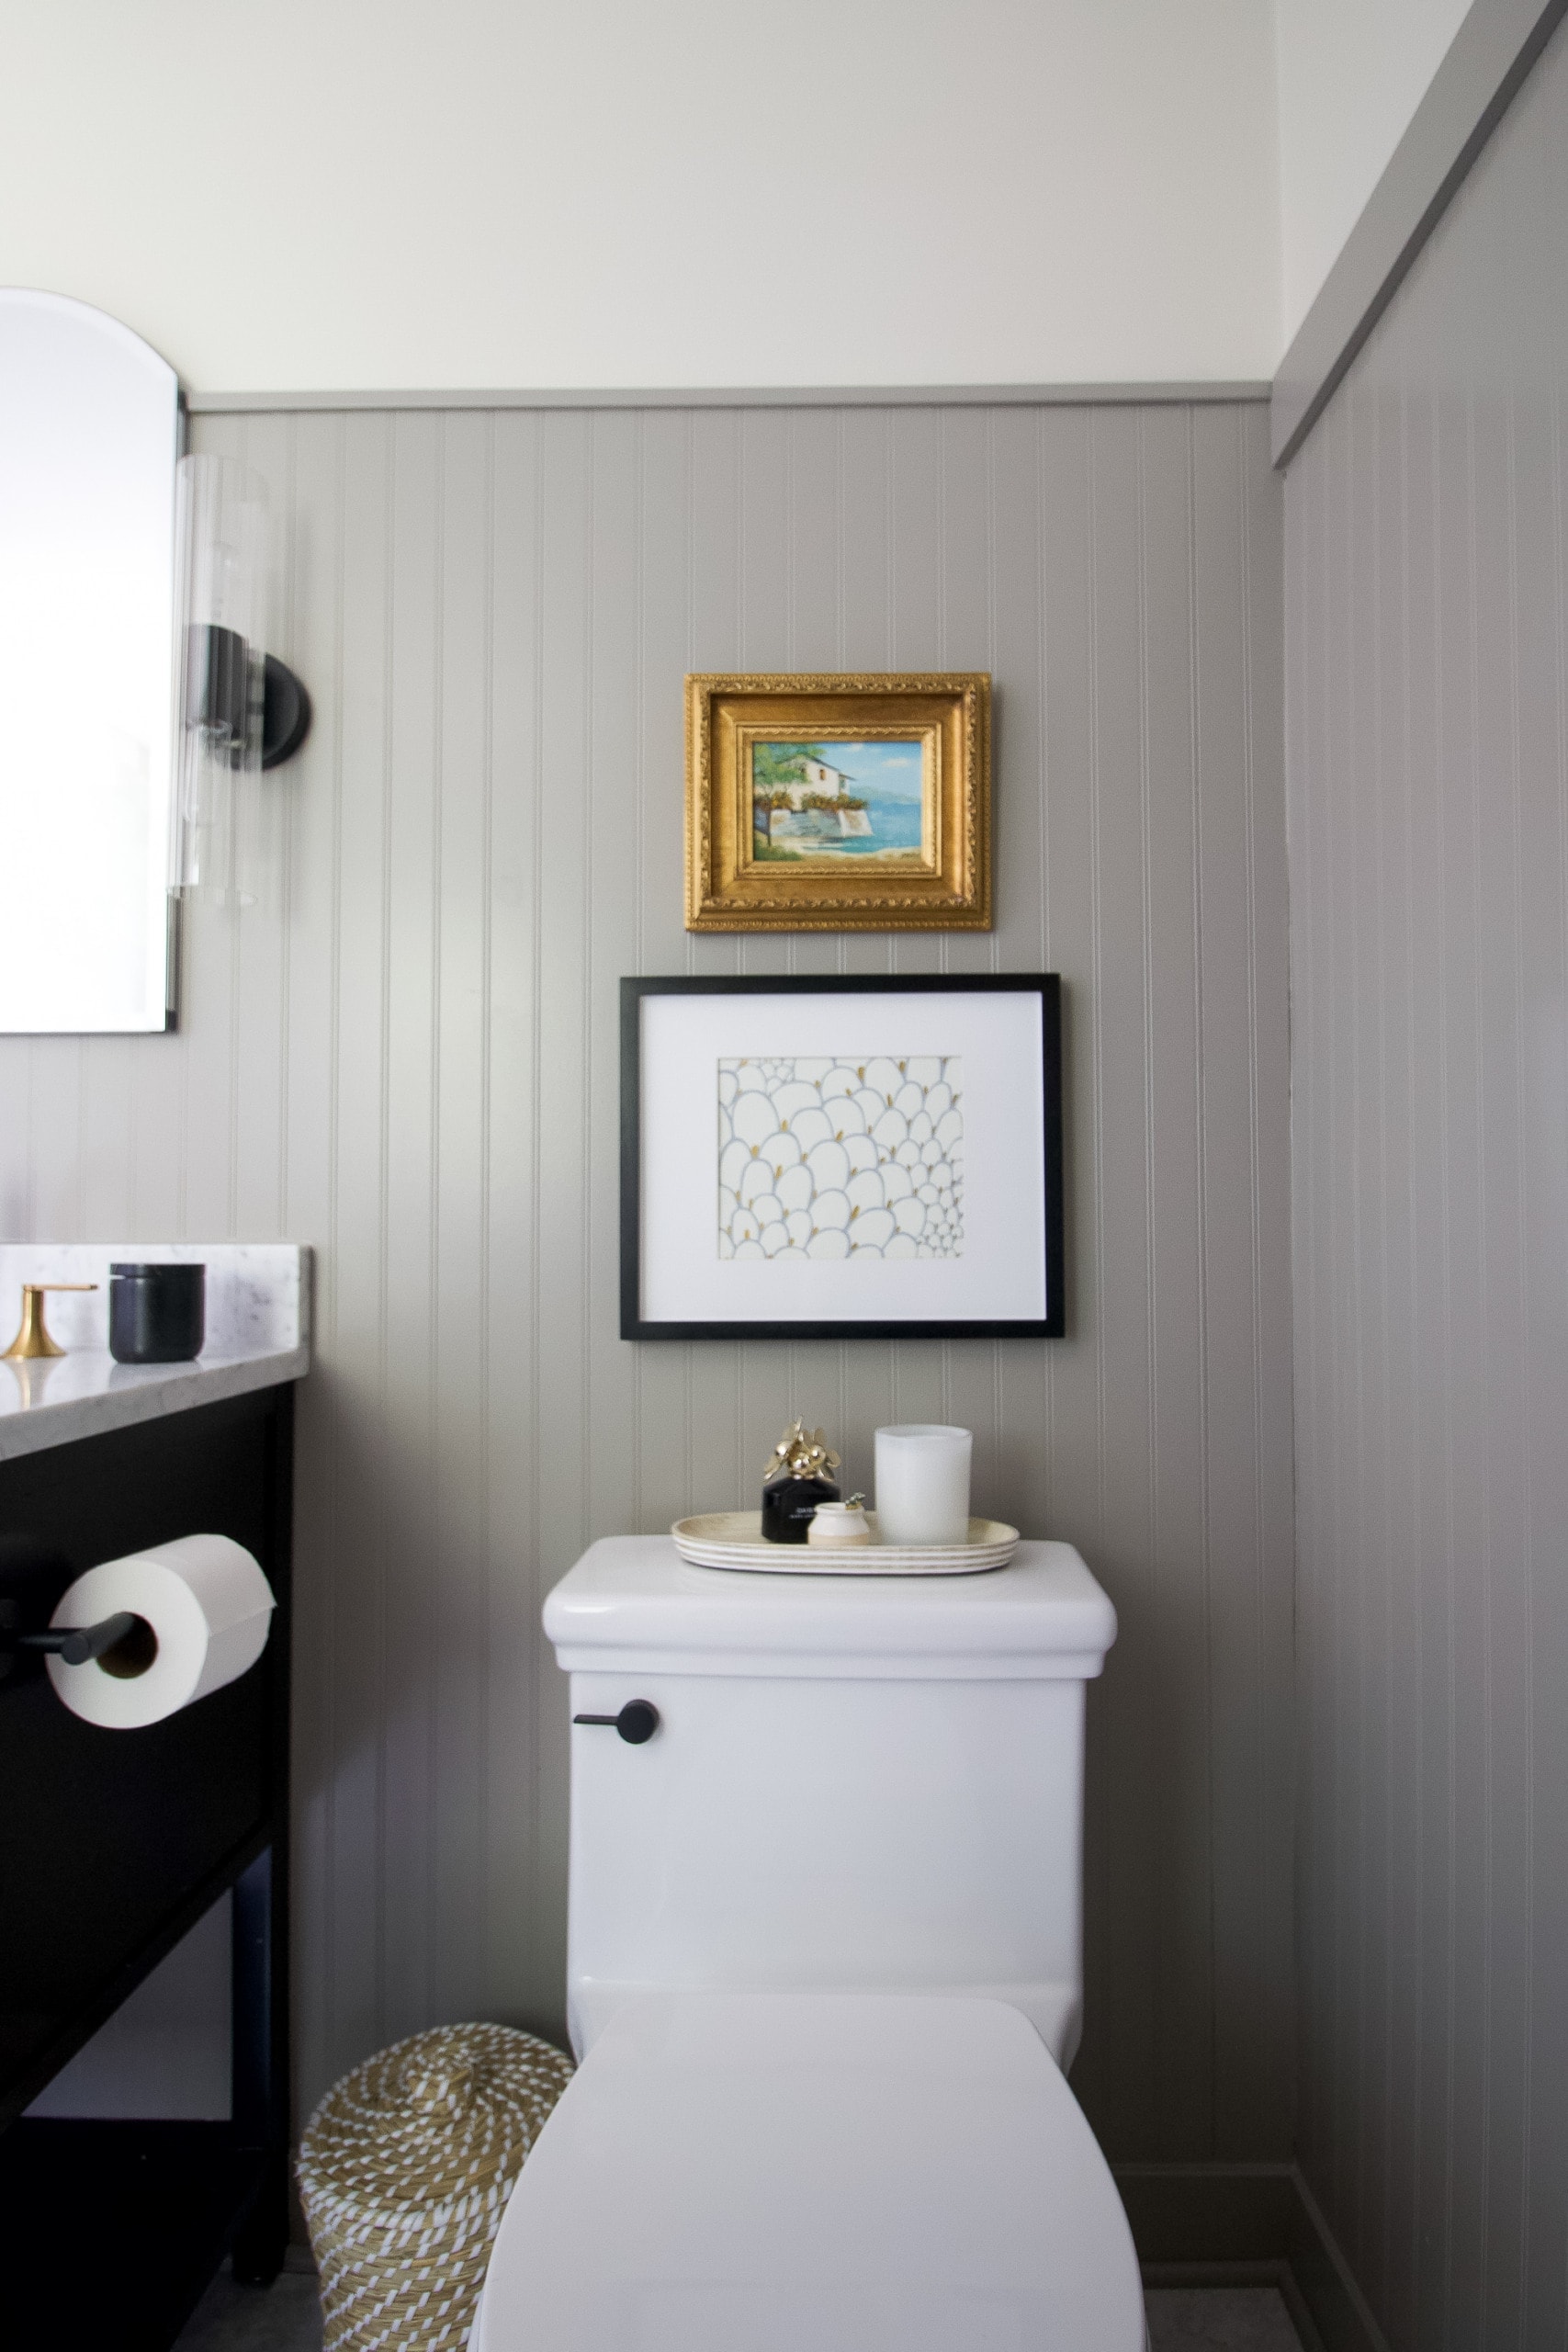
780, 2171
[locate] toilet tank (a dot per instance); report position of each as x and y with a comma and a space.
857, 1784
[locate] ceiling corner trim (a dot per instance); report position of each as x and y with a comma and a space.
1489, 59
1108, 395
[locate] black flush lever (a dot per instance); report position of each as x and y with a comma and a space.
77, 1644
638, 1721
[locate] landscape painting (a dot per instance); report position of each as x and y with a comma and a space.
848, 798
839, 803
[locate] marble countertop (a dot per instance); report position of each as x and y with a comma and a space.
257, 1337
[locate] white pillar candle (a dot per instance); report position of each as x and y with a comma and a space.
922, 1484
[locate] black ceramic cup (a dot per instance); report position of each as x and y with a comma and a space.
157, 1314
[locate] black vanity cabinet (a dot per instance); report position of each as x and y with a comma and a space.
113, 1844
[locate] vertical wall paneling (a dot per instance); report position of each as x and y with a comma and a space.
407, 1057
1427, 599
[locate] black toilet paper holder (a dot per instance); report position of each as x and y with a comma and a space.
33, 1575
74, 1644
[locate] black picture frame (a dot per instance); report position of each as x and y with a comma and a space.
1046, 985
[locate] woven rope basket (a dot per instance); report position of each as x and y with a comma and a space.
403, 2171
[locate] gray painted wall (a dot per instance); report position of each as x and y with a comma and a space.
1427, 655
410, 1060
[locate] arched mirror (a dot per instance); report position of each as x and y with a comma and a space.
89, 443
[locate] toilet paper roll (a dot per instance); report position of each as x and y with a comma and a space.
210, 1608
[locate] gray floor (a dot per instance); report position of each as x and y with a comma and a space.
1219, 2319
285, 2317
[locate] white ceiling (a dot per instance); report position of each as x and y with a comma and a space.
474, 194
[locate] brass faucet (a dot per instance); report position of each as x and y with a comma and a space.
33, 1339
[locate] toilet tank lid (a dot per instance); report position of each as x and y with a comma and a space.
632, 1605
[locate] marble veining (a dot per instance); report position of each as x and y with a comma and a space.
258, 1329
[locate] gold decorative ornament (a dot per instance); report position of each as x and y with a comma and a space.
800, 1453
33, 1341
839, 803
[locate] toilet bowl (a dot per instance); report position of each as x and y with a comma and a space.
773, 2172
824, 1972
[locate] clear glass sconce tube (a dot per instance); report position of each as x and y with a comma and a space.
216, 838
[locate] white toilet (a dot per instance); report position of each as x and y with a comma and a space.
825, 1972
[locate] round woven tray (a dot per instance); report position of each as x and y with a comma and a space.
403, 2171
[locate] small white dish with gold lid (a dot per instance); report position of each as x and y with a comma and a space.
840, 1523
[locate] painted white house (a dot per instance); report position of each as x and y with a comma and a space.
816, 777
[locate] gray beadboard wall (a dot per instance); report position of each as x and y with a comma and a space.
408, 1059
1427, 599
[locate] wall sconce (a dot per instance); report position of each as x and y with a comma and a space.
239, 710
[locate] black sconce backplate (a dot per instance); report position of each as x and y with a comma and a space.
286, 714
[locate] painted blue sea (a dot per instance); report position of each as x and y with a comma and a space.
896, 824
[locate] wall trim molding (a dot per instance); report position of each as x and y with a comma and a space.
748, 396
1489, 59
1248, 2224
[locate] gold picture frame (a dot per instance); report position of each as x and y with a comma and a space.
894, 833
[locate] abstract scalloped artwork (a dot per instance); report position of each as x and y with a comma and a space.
857, 1156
